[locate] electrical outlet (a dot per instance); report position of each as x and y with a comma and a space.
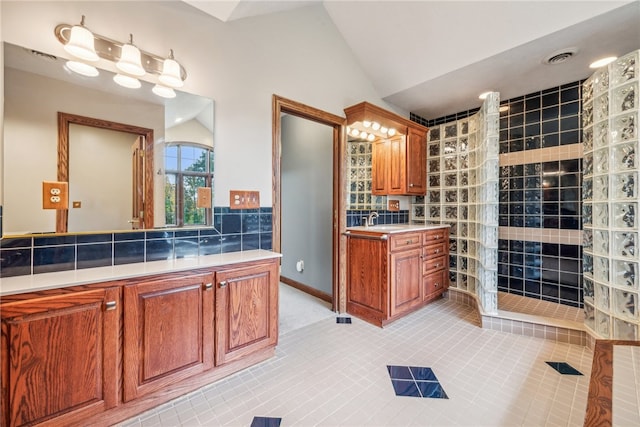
244, 199
55, 195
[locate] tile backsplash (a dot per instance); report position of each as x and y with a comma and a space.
233, 230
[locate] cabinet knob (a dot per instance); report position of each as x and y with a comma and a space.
408, 242
110, 305
208, 286
410, 185
437, 285
438, 265
223, 284
437, 251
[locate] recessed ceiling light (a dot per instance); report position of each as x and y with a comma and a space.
484, 95
602, 62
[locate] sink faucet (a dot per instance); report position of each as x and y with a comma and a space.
369, 220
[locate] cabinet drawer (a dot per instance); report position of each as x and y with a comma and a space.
435, 283
406, 241
433, 236
433, 264
436, 250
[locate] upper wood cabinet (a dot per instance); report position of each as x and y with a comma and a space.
60, 357
399, 149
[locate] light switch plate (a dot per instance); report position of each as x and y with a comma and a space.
241, 199
204, 198
55, 195
393, 205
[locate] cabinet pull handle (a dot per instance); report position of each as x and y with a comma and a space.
208, 286
223, 284
438, 265
437, 251
408, 242
110, 305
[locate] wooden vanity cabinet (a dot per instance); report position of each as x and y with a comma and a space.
390, 275
168, 332
60, 357
246, 312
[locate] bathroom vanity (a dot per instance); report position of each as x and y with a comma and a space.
96, 346
393, 270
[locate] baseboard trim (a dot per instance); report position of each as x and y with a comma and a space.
307, 289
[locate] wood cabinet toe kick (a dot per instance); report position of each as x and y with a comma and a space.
392, 274
100, 353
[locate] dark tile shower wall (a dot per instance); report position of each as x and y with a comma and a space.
541, 194
234, 230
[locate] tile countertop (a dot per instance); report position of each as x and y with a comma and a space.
396, 228
61, 279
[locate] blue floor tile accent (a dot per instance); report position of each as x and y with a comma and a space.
564, 368
415, 381
343, 320
266, 422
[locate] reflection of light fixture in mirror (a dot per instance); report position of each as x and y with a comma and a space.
81, 43
371, 137
130, 60
127, 81
82, 68
163, 91
171, 72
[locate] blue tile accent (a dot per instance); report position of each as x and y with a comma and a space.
266, 422
102, 249
564, 368
415, 381
343, 320
231, 223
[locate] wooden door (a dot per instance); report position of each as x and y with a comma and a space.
379, 167
406, 280
246, 311
416, 161
367, 278
397, 166
168, 332
60, 357
137, 170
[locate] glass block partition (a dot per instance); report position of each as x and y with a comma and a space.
359, 196
462, 191
610, 200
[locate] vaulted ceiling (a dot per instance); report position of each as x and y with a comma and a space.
434, 58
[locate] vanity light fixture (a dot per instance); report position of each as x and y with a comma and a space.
375, 125
366, 123
602, 62
132, 62
355, 132
130, 59
371, 137
391, 132
81, 43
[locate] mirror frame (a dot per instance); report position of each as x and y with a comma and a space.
67, 119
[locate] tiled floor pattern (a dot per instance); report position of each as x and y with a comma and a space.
626, 386
564, 368
332, 375
298, 309
536, 307
415, 381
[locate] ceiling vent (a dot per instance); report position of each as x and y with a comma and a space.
560, 56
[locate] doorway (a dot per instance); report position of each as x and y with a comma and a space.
284, 107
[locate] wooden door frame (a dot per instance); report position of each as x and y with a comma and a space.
282, 105
64, 121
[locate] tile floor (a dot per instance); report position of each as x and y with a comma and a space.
333, 374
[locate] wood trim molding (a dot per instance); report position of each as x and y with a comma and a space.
282, 105
600, 399
64, 121
307, 289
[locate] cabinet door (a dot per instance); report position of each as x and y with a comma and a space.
367, 277
168, 332
406, 280
416, 162
379, 167
246, 311
397, 166
60, 357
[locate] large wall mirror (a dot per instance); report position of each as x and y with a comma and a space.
102, 123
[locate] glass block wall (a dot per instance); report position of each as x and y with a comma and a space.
359, 176
462, 182
610, 200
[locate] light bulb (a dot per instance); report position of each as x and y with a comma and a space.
371, 137
602, 62
127, 81
82, 68
375, 125
366, 123
355, 132
363, 134
391, 132
383, 129
81, 43
171, 75
130, 59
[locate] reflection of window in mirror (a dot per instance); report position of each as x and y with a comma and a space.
187, 168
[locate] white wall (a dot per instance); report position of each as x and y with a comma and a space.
191, 131
307, 202
297, 54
